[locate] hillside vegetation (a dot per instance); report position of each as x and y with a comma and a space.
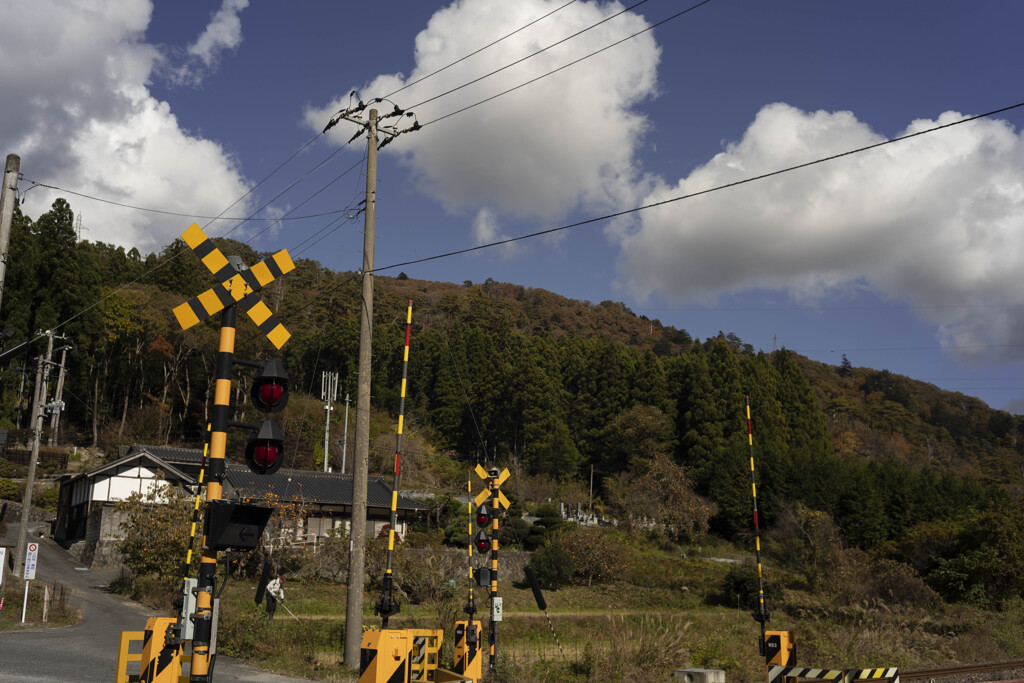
555, 389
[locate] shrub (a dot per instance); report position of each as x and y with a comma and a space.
552, 564
156, 530
47, 499
9, 490
740, 586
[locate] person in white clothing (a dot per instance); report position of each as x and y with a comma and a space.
275, 592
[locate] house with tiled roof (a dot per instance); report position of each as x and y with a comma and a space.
318, 502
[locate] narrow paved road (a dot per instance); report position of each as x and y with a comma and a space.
87, 652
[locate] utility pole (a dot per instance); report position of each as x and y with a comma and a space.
37, 427
329, 393
58, 396
7, 199
360, 469
344, 440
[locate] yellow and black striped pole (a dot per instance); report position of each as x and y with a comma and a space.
200, 672
195, 509
470, 607
493, 628
761, 613
387, 605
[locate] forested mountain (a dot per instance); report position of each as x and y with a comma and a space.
561, 386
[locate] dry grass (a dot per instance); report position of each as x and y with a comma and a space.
59, 613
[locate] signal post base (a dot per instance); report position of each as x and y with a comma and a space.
469, 659
403, 656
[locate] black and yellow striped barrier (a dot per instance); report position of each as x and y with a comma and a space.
778, 673
423, 658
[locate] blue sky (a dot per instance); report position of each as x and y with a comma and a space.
902, 258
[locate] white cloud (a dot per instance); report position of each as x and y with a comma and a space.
224, 32
78, 112
486, 230
937, 221
564, 142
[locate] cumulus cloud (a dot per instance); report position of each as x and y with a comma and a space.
224, 32
564, 142
937, 221
78, 111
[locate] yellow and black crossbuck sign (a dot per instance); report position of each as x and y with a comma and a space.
499, 479
235, 287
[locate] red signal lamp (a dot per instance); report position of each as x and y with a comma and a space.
264, 452
483, 515
270, 387
483, 541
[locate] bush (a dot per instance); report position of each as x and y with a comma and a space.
553, 565
9, 490
740, 586
47, 499
580, 555
596, 554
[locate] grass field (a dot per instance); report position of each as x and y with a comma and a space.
640, 629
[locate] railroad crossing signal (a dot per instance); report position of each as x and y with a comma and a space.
493, 478
236, 287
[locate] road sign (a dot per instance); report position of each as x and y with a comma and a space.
235, 286
31, 557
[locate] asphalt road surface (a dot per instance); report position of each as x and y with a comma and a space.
87, 652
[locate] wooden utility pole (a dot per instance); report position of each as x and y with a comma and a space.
7, 199
37, 433
58, 399
361, 464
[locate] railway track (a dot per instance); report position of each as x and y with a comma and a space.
943, 671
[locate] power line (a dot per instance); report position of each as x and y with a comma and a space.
534, 54
476, 52
566, 66
64, 190
691, 195
961, 347
880, 307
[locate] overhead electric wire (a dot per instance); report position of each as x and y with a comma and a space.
691, 195
534, 54
36, 183
565, 66
175, 255
954, 347
476, 52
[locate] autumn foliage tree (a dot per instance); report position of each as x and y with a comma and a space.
656, 495
155, 528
